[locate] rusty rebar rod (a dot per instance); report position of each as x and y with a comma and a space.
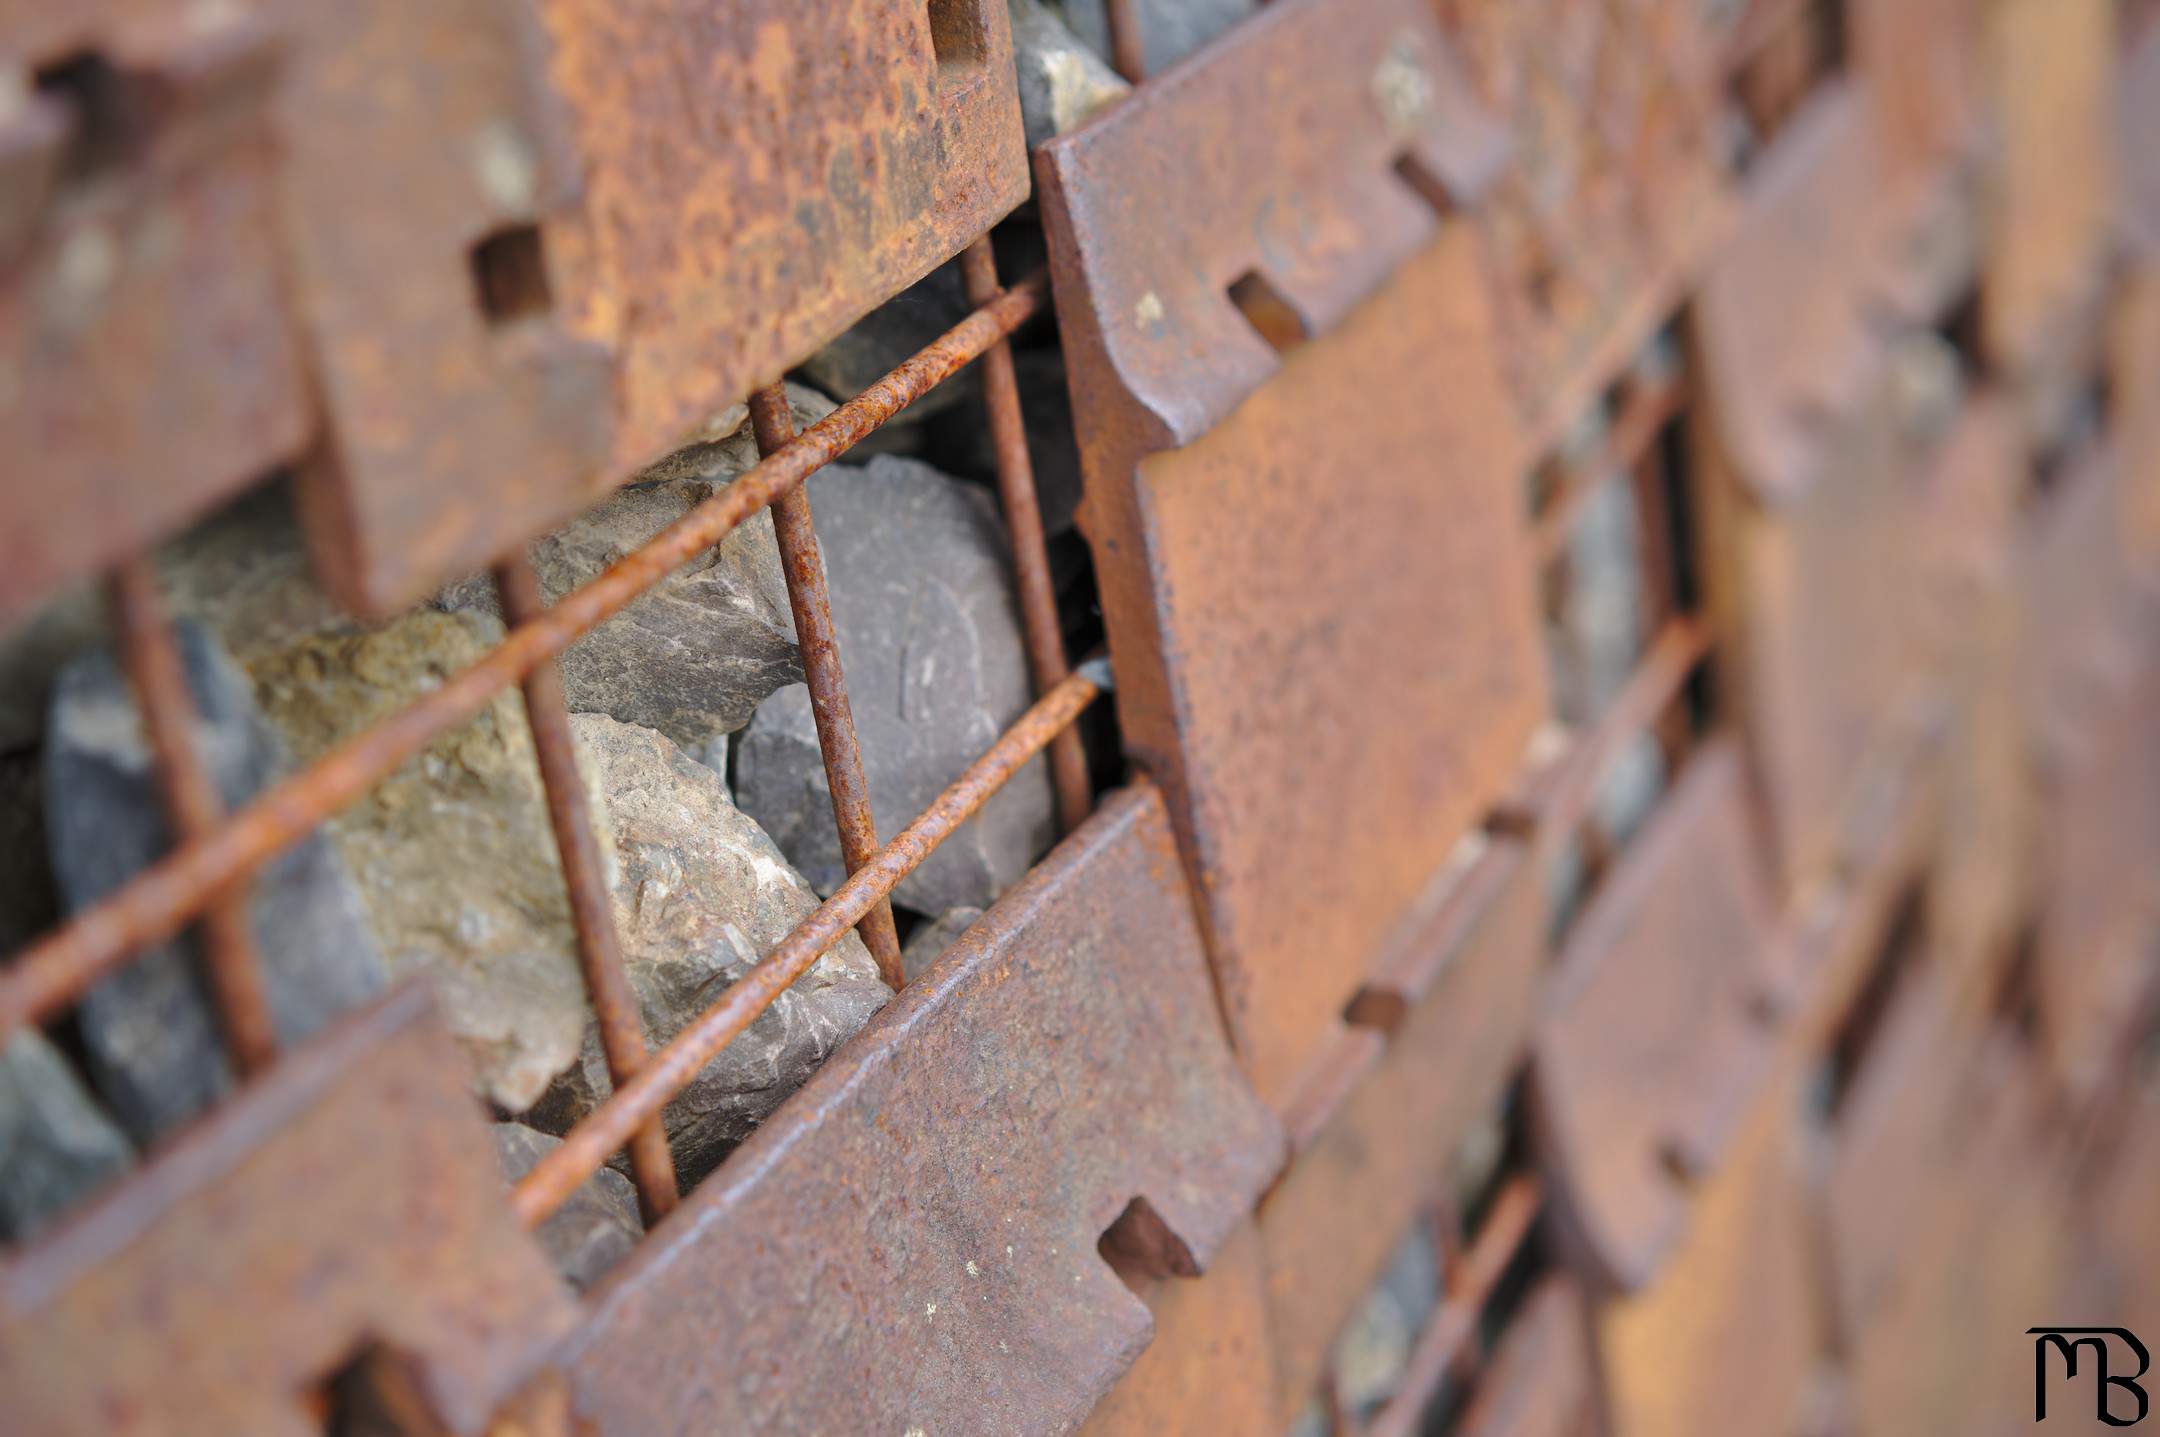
157, 902
1024, 530
1514, 1213
602, 1131
193, 807
804, 565
592, 912
1127, 55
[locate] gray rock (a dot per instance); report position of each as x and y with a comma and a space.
452, 853
154, 1049
875, 344
694, 657
1062, 82
930, 636
1169, 29
591, 1232
56, 1146
1600, 626
33, 652
700, 895
1373, 1351
1629, 791
928, 943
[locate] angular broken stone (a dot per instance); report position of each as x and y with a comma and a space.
1063, 83
154, 1048
1373, 1352
1600, 628
928, 943
694, 657
877, 343
930, 638
700, 895
1169, 29
592, 1231
452, 854
57, 1147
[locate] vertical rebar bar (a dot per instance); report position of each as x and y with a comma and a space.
607, 982
771, 422
1024, 528
193, 807
1127, 55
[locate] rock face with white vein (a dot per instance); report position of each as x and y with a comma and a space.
700, 895
929, 631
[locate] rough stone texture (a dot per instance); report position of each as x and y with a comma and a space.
700, 895
1374, 1349
452, 853
1598, 631
928, 943
1062, 82
153, 1045
694, 657
56, 1146
592, 1231
930, 636
1630, 789
242, 573
894, 331
1169, 29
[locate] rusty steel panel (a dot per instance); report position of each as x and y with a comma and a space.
1457, 1000
1210, 1366
222, 1284
2051, 71
1657, 1031
1315, 570
148, 366
1615, 193
1725, 1340
1948, 1351
572, 233
2100, 915
1923, 63
912, 1241
2133, 378
2136, 89
1540, 1382
2073, 566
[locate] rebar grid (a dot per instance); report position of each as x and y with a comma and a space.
204, 877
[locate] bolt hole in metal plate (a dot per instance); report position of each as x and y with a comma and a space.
578, 229
1651, 1046
250, 1258
148, 366
914, 1241
1316, 577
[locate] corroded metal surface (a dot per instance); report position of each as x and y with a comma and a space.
665, 205
251, 1260
1657, 1034
148, 366
1726, 1338
1455, 1006
1542, 1381
1314, 567
913, 1241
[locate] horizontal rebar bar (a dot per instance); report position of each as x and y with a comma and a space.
158, 901
672, 1067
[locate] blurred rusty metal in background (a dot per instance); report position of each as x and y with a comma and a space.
1409, 1033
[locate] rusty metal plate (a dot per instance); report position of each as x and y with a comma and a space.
1923, 64
1315, 569
148, 366
1614, 194
1210, 1366
1540, 1381
1725, 1340
2100, 920
221, 1285
1657, 1031
571, 233
2136, 88
912, 1242
2051, 67
2077, 583
2134, 394
1840, 240
1457, 999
